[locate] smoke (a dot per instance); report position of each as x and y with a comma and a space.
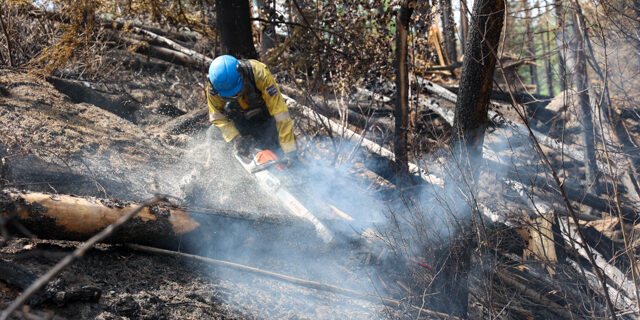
417, 225
329, 191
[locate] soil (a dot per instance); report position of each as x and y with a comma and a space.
51, 142
141, 286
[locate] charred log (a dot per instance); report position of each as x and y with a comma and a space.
78, 92
187, 123
163, 225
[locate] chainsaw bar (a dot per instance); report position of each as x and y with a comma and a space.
271, 185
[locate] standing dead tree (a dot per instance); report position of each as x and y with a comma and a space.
476, 81
235, 28
581, 80
470, 122
448, 30
402, 85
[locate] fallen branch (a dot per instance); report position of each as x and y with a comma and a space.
612, 272
520, 128
78, 253
535, 296
360, 140
290, 279
165, 54
76, 218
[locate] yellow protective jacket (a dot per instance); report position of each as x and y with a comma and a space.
273, 100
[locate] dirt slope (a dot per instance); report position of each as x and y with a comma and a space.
51, 143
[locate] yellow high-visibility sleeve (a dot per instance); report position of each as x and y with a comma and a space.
285, 133
226, 126
275, 104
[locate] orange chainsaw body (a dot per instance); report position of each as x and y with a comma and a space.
266, 156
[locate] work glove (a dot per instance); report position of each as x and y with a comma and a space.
294, 161
242, 146
232, 109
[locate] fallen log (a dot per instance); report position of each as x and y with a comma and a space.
360, 140
331, 108
534, 295
165, 54
616, 276
187, 123
81, 91
76, 254
164, 225
543, 139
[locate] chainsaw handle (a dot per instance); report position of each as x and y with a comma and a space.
270, 164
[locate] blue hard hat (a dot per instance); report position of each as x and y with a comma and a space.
224, 75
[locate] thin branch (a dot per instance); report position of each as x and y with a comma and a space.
6, 34
297, 281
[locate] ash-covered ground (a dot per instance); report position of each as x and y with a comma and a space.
75, 144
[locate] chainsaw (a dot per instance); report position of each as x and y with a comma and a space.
261, 166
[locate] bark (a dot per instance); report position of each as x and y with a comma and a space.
236, 38
581, 80
476, 81
470, 122
561, 39
402, 85
547, 63
67, 217
464, 25
531, 48
448, 30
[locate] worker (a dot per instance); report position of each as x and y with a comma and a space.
246, 105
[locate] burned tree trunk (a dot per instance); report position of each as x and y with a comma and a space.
531, 48
235, 28
547, 62
464, 25
581, 80
561, 41
476, 82
402, 101
448, 30
470, 122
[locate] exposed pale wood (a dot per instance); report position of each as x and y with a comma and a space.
76, 254
542, 242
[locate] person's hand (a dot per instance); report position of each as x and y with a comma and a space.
232, 109
242, 145
294, 161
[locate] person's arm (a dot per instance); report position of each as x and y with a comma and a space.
275, 104
218, 119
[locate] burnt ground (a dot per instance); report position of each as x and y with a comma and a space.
142, 286
61, 140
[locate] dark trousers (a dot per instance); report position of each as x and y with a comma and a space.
264, 131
